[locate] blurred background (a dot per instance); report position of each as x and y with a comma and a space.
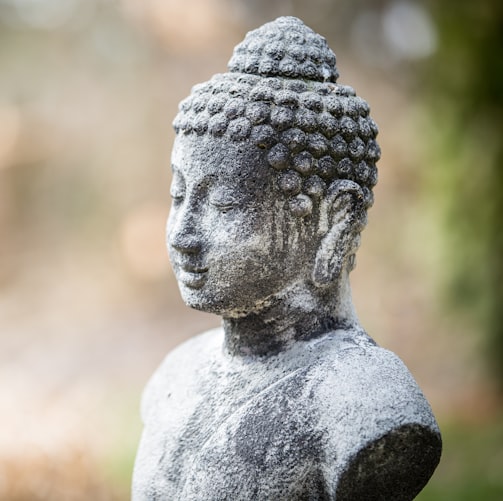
88, 304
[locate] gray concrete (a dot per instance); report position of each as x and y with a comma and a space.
273, 170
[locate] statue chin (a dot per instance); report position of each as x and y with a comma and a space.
273, 169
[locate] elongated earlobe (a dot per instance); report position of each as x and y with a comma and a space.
340, 217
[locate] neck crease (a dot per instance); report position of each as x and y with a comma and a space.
301, 313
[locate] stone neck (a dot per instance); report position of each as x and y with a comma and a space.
303, 312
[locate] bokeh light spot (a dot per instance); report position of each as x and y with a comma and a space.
142, 242
409, 31
10, 130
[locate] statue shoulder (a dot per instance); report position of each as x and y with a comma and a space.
181, 365
357, 371
377, 423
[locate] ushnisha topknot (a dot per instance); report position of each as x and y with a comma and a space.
285, 48
281, 95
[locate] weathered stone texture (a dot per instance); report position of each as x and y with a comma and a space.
273, 169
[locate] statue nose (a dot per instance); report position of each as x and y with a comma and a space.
185, 243
184, 234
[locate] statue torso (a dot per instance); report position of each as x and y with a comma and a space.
281, 427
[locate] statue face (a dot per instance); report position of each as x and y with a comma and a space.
232, 243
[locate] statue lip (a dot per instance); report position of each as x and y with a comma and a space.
191, 268
192, 276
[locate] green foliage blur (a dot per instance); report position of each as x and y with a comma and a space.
470, 469
465, 85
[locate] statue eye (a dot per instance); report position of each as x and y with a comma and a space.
177, 194
224, 200
224, 206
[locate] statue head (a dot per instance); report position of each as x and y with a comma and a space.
273, 170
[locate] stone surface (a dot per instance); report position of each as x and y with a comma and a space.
273, 170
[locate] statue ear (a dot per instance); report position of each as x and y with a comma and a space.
341, 220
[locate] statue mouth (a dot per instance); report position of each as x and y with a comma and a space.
193, 277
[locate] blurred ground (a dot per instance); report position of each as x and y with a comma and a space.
88, 307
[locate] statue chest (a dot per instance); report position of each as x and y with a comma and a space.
232, 436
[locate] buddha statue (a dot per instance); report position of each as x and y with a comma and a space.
273, 168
